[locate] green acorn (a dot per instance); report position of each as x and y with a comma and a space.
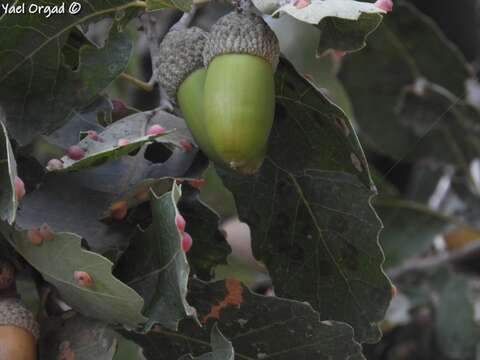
182, 75
241, 55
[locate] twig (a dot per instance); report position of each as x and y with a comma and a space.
154, 38
432, 262
186, 19
242, 5
142, 85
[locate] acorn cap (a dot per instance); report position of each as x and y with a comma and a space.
242, 33
180, 55
14, 313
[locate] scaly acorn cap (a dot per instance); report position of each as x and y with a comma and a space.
180, 55
242, 33
14, 313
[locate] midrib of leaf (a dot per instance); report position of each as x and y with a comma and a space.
157, 271
319, 230
138, 3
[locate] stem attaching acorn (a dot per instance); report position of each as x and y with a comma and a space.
18, 331
241, 55
182, 75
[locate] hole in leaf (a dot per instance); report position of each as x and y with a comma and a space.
157, 153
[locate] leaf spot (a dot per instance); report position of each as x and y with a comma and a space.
340, 123
234, 297
356, 162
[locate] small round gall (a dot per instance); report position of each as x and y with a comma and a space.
119, 106
46, 232
82, 278
196, 183
156, 130
186, 145
123, 142
180, 223
19, 188
186, 242
54, 164
119, 210
394, 291
300, 4
338, 54
35, 236
92, 134
75, 152
385, 5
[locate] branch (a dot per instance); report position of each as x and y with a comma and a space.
155, 36
242, 5
186, 19
142, 85
432, 262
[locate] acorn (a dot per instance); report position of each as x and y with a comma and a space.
241, 55
18, 331
182, 75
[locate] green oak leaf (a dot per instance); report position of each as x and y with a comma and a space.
161, 276
37, 90
406, 52
346, 35
182, 5
309, 211
132, 128
258, 327
222, 349
344, 24
99, 152
107, 299
8, 173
